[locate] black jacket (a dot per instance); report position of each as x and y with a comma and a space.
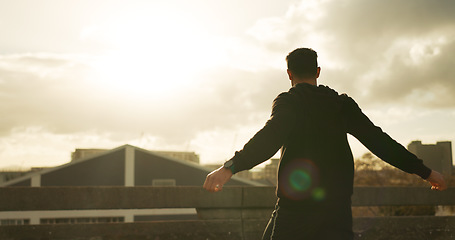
310, 125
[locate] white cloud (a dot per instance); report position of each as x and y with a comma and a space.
372, 50
395, 61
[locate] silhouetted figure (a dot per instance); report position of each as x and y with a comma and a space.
315, 176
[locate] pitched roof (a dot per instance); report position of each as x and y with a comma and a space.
110, 169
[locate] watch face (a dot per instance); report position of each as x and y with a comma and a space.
228, 164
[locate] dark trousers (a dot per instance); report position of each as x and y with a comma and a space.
312, 222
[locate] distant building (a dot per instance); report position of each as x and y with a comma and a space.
271, 170
266, 175
436, 156
185, 156
243, 174
81, 153
123, 166
6, 176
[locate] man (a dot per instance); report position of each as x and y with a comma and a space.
315, 177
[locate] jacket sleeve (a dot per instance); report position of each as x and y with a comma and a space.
379, 143
267, 141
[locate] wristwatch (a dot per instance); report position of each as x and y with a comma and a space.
229, 164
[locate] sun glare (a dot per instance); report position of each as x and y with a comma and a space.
153, 55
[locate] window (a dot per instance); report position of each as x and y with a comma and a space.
14, 222
81, 220
164, 182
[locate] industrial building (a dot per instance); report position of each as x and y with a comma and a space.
123, 166
436, 156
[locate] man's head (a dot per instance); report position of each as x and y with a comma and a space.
303, 64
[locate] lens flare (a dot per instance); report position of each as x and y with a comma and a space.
299, 180
318, 194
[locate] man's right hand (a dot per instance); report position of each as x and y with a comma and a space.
437, 181
216, 179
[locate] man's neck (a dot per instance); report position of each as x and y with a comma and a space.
311, 81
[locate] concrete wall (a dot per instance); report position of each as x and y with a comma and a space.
234, 213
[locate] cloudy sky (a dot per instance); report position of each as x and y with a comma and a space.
200, 75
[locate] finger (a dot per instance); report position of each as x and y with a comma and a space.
211, 186
208, 183
437, 187
218, 187
214, 185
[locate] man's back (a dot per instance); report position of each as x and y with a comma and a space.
316, 162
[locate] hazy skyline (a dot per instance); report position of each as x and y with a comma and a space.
201, 75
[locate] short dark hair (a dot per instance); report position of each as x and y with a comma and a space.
303, 62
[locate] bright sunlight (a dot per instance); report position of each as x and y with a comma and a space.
152, 55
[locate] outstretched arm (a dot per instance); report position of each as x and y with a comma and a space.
381, 144
264, 144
